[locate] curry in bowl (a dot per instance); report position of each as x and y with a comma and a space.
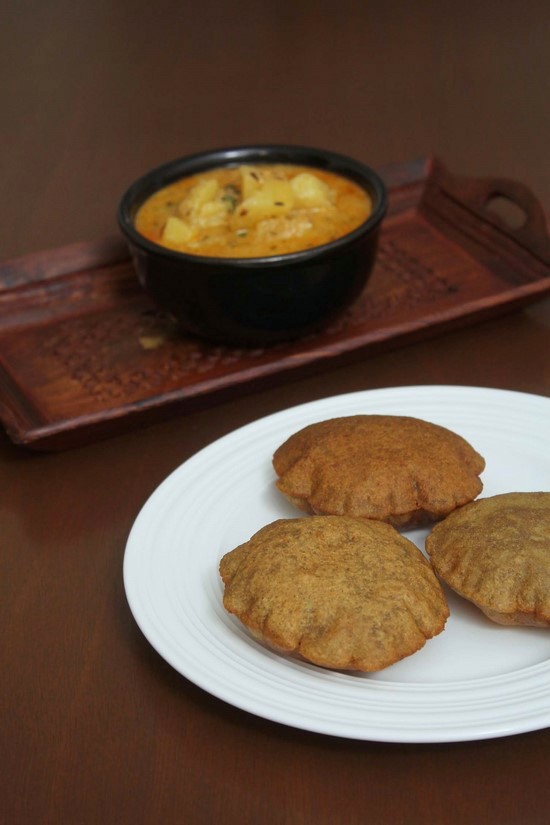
253, 211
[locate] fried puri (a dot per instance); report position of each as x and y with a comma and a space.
495, 552
397, 469
341, 592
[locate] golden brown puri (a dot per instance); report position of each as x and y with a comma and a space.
391, 468
496, 553
340, 592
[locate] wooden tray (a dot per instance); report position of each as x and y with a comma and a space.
83, 353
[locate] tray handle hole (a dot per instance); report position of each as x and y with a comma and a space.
507, 210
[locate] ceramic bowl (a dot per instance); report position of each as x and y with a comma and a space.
255, 301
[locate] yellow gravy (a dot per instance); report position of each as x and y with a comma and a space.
253, 211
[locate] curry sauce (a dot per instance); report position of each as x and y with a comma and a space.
253, 211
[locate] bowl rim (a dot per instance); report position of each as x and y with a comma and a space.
186, 165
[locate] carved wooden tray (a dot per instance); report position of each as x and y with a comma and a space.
83, 353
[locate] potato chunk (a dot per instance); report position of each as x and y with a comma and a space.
176, 231
251, 180
198, 196
310, 191
275, 198
212, 213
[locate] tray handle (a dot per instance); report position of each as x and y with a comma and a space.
508, 205
520, 197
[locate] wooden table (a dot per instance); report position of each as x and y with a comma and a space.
96, 727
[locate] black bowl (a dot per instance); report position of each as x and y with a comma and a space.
255, 301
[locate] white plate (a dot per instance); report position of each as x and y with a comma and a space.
475, 680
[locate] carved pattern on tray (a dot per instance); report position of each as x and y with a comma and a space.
407, 282
90, 349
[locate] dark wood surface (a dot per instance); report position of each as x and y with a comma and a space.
96, 727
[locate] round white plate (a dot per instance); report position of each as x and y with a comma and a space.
475, 680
